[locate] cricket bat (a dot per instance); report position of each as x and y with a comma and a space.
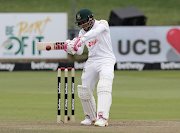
50, 45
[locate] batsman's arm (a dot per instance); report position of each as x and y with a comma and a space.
95, 32
103, 25
80, 49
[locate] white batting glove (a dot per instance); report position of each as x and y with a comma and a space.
77, 43
71, 46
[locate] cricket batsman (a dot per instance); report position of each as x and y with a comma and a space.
95, 35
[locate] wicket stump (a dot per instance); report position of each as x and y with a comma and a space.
66, 95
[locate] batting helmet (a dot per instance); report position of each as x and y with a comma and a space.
83, 14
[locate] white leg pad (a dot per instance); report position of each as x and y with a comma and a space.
87, 101
104, 90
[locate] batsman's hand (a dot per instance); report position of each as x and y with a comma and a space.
77, 43
71, 46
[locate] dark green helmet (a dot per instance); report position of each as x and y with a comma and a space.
83, 14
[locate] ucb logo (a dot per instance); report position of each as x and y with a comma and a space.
139, 47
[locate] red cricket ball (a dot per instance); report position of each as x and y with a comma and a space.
48, 47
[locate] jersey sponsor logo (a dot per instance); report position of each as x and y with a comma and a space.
92, 43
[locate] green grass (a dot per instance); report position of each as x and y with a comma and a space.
158, 12
147, 95
29, 101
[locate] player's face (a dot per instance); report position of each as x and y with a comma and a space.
84, 25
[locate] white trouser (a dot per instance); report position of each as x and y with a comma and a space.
94, 70
105, 73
